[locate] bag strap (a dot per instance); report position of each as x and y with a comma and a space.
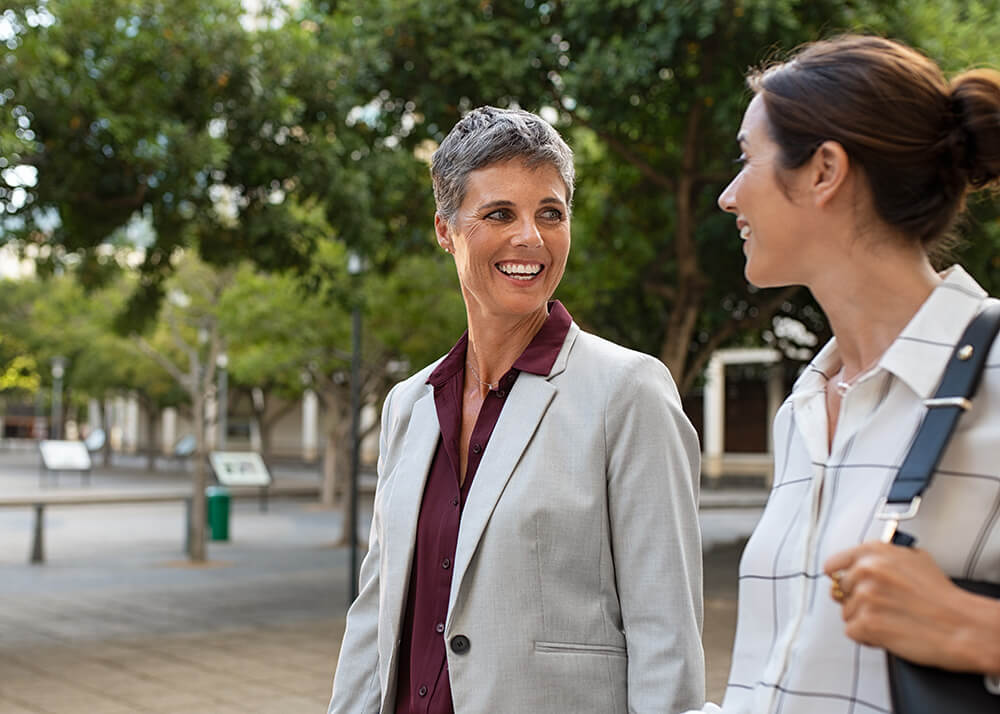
954, 395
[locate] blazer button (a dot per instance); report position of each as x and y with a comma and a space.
460, 644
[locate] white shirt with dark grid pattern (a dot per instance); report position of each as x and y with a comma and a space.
791, 655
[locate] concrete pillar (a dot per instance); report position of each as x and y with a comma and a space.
169, 430
115, 409
94, 415
130, 435
310, 425
714, 406
369, 445
775, 396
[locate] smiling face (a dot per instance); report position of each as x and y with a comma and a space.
510, 238
775, 229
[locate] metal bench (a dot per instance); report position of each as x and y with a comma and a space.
181, 494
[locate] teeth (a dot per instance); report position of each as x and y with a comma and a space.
745, 232
520, 270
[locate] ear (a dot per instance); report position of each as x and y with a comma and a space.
443, 232
830, 166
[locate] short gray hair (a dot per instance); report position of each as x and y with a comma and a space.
489, 135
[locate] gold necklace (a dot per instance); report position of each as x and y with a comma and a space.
480, 379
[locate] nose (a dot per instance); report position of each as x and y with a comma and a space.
727, 199
527, 236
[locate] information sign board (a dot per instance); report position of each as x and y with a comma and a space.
239, 468
64, 455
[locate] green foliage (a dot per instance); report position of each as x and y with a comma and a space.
285, 336
56, 317
290, 144
20, 374
650, 94
219, 136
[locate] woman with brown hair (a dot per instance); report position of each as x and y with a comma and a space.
857, 157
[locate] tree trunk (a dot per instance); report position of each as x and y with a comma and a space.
106, 447
328, 494
265, 424
265, 427
690, 280
336, 464
152, 421
337, 455
200, 478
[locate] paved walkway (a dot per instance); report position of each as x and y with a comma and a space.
118, 621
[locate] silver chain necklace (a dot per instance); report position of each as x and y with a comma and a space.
843, 386
480, 379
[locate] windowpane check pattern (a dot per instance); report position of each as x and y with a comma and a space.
791, 655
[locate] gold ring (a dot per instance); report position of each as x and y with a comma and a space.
837, 591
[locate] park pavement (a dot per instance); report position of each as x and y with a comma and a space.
117, 621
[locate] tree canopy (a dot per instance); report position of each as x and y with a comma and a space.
292, 137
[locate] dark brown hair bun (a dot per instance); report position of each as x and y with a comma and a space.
975, 102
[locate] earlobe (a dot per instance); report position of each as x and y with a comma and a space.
443, 233
830, 168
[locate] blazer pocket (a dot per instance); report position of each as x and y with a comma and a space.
577, 648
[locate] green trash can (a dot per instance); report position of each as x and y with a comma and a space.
217, 512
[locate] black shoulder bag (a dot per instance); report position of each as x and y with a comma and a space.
917, 689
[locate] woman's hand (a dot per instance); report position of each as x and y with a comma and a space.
898, 598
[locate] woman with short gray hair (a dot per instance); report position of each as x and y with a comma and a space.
535, 543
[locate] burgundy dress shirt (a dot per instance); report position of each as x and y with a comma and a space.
422, 684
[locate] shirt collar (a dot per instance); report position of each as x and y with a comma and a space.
537, 358
919, 355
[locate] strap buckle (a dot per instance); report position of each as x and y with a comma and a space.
937, 402
892, 515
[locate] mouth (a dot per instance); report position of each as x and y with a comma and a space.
522, 272
744, 228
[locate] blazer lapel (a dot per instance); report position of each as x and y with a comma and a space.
419, 445
525, 407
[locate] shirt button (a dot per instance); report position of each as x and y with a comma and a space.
454, 501
439, 627
476, 448
446, 563
501, 393
422, 691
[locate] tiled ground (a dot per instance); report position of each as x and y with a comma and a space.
284, 669
116, 621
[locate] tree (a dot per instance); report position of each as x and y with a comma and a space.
187, 345
19, 365
651, 95
172, 112
283, 335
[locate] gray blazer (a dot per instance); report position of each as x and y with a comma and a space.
577, 577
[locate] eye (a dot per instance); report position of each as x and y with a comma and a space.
552, 214
500, 214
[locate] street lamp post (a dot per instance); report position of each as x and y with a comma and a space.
58, 370
222, 362
354, 268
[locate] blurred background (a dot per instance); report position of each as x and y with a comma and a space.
216, 221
